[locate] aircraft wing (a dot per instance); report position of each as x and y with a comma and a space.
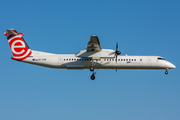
94, 44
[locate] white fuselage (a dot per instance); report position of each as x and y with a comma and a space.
70, 61
94, 57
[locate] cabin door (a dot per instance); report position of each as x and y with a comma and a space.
60, 60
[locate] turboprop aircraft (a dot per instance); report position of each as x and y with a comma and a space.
94, 57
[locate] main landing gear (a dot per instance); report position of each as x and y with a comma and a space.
166, 72
93, 75
92, 70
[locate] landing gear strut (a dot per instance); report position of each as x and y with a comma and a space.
92, 68
166, 72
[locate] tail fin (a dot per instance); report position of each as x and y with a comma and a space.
17, 44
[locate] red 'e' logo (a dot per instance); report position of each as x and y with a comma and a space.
19, 48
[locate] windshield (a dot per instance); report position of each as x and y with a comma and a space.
160, 58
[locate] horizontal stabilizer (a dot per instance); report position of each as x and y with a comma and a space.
12, 32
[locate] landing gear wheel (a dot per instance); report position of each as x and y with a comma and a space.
92, 77
91, 68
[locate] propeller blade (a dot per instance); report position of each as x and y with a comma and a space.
117, 52
116, 46
116, 58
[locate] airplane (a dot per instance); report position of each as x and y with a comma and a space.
94, 57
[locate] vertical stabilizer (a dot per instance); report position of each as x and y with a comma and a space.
18, 45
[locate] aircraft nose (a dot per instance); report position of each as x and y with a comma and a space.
170, 65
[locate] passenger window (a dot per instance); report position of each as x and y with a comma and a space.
104, 59
126, 59
121, 59
66, 59
140, 59
107, 59
118, 59
112, 59
129, 59
134, 59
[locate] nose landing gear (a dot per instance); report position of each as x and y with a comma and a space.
166, 72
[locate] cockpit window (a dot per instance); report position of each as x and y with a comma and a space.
160, 58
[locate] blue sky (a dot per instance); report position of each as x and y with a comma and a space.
151, 27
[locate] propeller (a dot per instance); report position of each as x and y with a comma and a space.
117, 52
